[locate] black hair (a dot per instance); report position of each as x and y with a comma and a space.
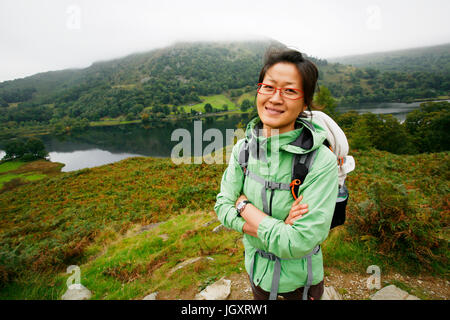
305, 67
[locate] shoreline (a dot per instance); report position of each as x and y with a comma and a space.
44, 130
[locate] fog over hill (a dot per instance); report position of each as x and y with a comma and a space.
159, 81
430, 58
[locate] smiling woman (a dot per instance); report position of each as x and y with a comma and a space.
279, 107
282, 236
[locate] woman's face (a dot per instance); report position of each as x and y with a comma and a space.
276, 111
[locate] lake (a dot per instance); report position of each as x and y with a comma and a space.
97, 146
398, 110
102, 145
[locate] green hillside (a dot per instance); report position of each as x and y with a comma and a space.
174, 75
402, 75
100, 219
151, 84
424, 59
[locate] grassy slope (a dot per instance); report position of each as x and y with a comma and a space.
92, 218
23, 172
216, 101
249, 96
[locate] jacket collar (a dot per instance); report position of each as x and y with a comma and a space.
306, 137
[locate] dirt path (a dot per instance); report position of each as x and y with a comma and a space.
353, 286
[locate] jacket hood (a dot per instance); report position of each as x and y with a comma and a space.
314, 136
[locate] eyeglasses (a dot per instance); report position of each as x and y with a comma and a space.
289, 93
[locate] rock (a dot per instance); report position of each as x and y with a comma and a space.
164, 236
183, 264
149, 227
411, 297
330, 293
151, 296
219, 228
219, 290
77, 292
207, 224
391, 292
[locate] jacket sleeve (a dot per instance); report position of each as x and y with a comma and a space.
230, 190
320, 193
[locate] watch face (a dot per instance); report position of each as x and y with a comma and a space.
241, 206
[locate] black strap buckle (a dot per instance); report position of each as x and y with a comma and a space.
272, 185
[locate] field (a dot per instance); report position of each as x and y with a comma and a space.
216, 101
127, 225
19, 172
111, 122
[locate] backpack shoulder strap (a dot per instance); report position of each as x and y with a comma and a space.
300, 168
302, 162
243, 156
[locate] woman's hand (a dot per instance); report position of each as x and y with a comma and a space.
242, 197
297, 211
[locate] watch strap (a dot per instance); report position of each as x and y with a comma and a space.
241, 205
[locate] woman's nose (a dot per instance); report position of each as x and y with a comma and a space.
276, 97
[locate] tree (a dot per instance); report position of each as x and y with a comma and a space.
35, 149
347, 120
386, 133
245, 105
208, 108
3, 103
14, 149
359, 137
324, 99
166, 110
429, 126
372, 73
30, 149
145, 119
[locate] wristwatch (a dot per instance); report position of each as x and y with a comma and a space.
241, 205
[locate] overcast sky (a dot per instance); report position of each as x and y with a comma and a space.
43, 35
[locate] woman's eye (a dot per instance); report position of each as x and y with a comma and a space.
267, 87
289, 91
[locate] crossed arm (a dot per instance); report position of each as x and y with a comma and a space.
253, 216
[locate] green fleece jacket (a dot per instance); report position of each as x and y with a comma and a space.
319, 191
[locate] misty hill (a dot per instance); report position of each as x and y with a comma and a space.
172, 75
426, 59
154, 81
395, 76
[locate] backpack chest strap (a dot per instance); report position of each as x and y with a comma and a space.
271, 185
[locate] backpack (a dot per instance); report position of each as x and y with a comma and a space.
338, 144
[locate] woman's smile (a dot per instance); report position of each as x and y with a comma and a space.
273, 111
